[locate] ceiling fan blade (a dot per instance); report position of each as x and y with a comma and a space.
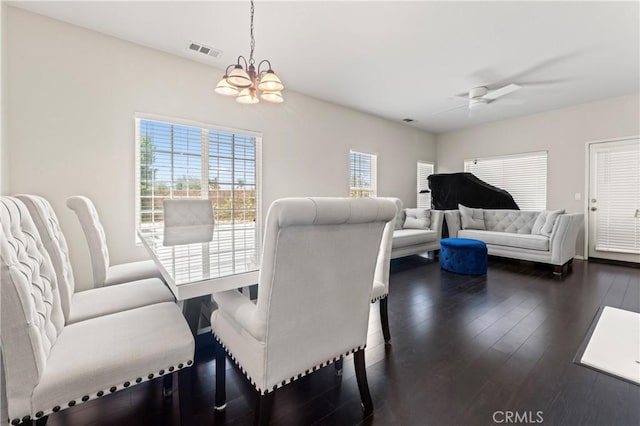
450, 109
508, 101
503, 91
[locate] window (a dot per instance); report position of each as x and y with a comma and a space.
176, 160
524, 176
424, 171
363, 174
616, 197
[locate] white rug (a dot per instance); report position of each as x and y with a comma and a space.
614, 345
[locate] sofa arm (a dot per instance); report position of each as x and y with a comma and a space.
453, 222
437, 218
241, 310
563, 237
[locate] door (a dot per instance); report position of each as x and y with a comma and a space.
614, 200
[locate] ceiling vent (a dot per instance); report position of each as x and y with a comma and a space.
205, 50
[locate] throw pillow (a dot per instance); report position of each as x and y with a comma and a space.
417, 219
550, 221
471, 218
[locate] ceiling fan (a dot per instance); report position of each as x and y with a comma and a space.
481, 96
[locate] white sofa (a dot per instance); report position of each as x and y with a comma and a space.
525, 235
416, 231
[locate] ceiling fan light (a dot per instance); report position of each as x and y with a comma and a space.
224, 88
273, 96
247, 97
238, 77
270, 82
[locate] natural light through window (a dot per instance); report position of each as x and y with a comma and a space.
176, 160
424, 171
362, 179
524, 176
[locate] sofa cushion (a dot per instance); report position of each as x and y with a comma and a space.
545, 221
412, 237
417, 219
514, 221
508, 239
471, 218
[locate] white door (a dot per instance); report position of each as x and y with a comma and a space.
614, 200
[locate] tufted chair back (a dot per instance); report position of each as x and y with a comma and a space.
94, 233
55, 243
187, 212
316, 277
31, 313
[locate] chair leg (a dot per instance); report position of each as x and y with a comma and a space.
40, 422
184, 394
384, 318
363, 386
167, 385
263, 409
338, 366
221, 393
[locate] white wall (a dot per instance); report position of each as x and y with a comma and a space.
4, 414
563, 133
72, 98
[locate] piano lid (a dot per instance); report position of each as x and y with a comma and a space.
450, 189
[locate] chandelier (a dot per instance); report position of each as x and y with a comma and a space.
245, 82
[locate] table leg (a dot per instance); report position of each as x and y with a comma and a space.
191, 309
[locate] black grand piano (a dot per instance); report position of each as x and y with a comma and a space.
450, 189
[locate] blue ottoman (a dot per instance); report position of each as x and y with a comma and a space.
463, 256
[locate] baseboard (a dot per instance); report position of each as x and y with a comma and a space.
578, 257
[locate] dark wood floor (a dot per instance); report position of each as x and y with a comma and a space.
462, 348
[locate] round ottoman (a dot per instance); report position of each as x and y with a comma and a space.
463, 256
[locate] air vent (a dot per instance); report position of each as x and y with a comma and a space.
205, 50
408, 120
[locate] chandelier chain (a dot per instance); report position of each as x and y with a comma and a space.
253, 40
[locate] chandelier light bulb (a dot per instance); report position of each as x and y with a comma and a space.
273, 96
270, 82
224, 88
247, 97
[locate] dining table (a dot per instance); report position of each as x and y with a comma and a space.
197, 261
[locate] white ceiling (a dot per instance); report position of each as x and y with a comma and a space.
399, 59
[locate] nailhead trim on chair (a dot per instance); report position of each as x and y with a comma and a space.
379, 298
293, 378
98, 394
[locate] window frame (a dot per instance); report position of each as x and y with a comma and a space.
204, 153
522, 156
373, 190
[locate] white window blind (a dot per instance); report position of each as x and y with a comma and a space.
363, 171
618, 198
524, 176
424, 171
174, 160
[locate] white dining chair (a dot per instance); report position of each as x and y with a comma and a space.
105, 274
51, 366
314, 294
187, 221
95, 302
383, 266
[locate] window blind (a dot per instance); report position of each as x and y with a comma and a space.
524, 176
363, 171
618, 197
424, 171
182, 161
